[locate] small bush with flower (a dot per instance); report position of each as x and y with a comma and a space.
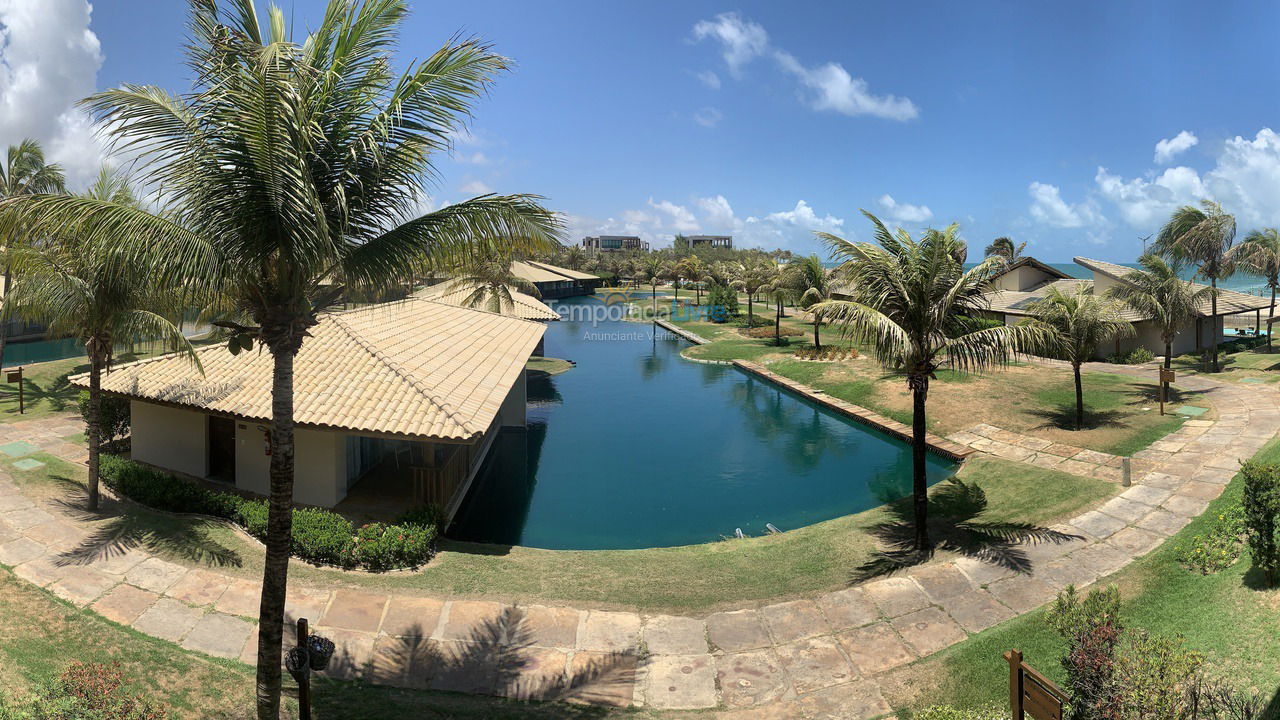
84, 691
1218, 547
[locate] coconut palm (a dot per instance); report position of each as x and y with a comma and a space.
81, 289
489, 281
1155, 291
1080, 322
1260, 255
1003, 247
574, 257
692, 268
290, 163
910, 301
750, 277
809, 281
1202, 236
25, 172
651, 268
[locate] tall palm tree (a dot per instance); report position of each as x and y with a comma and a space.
693, 269
574, 257
25, 172
1202, 236
750, 277
1003, 247
488, 280
910, 300
289, 163
1155, 291
1080, 322
1260, 255
651, 268
808, 279
80, 288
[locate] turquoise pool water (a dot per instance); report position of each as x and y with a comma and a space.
637, 447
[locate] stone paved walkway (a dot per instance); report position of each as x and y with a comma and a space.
819, 657
1059, 456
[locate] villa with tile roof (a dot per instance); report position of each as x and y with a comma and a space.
1028, 280
553, 281
396, 403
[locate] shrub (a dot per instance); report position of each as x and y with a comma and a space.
1261, 507
1153, 676
321, 536
1092, 630
723, 303
162, 491
114, 417
380, 547
318, 535
1216, 549
1136, 356
84, 691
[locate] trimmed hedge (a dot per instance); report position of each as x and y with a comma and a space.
318, 535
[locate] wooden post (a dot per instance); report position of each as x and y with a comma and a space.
1126, 467
304, 684
16, 376
1014, 658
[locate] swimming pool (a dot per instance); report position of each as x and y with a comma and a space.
637, 447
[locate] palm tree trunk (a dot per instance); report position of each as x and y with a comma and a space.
94, 422
1079, 397
1270, 314
4, 324
817, 342
777, 326
1213, 325
653, 291
919, 475
275, 571
751, 318
1168, 352
676, 286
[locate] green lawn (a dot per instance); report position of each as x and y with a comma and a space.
549, 366
689, 579
1220, 615
1261, 363
1121, 412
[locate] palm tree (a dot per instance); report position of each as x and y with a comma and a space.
750, 277
1003, 247
651, 268
25, 172
488, 280
911, 298
694, 270
1202, 236
1080, 322
809, 281
81, 289
574, 257
1260, 255
289, 163
1155, 291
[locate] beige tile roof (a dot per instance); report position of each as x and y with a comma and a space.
534, 273
523, 305
414, 368
1229, 301
1016, 302
571, 274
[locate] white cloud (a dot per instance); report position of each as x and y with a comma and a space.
49, 59
1246, 178
677, 217
1048, 207
904, 212
828, 86
708, 117
741, 40
475, 158
835, 89
709, 79
661, 221
1144, 202
475, 187
1166, 149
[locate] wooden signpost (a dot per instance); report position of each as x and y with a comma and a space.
16, 376
1166, 377
1032, 695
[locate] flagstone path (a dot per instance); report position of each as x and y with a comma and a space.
818, 657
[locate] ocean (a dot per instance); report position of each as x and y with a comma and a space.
1240, 282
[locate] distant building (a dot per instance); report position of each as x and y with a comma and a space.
614, 243
710, 241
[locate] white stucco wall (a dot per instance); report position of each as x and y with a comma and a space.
1022, 278
170, 438
320, 464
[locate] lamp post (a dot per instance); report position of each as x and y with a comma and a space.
311, 653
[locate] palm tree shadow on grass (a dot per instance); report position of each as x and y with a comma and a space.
497, 658
956, 526
121, 527
58, 394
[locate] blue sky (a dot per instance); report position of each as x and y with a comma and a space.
771, 120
